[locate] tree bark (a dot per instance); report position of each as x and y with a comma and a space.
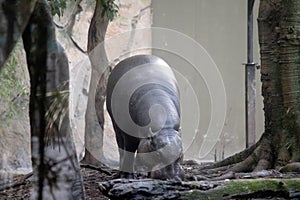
54, 159
279, 36
95, 109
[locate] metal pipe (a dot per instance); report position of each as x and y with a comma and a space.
250, 80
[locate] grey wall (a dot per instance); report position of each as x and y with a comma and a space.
219, 26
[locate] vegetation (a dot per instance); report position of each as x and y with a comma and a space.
57, 111
12, 85
248, 189
110, 8
57, 7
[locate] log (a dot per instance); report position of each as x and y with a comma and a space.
225, 189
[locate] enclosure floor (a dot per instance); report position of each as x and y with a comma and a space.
22, 191
21, 185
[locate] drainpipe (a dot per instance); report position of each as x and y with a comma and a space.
250, 93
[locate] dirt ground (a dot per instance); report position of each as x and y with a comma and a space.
21, 184
19, 187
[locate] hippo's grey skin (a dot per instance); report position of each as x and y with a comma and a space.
146, 86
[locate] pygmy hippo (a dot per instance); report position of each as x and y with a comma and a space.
143, 103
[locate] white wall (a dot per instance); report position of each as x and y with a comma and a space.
220, 26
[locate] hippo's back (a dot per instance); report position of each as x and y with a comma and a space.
137, 72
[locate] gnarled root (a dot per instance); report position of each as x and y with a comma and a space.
268, 153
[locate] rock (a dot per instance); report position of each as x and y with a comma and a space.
14, 119
15, 134
226, 189
150, 188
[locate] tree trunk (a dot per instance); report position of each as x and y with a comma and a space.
279, 37
279, 40
95, 108
54, 159
280, 47
14, 16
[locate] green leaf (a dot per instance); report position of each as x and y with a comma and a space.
57, 7
110, 9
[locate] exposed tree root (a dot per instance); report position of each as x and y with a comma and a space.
233, 159
261, 156
291, 167
103, 169
258, 160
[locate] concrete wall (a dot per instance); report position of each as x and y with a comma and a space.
220, 27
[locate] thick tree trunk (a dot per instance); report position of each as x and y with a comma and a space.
54, 159
290, 78
95, 109
279, 34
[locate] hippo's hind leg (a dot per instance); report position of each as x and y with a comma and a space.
128, 145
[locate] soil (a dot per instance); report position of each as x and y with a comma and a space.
19, 186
